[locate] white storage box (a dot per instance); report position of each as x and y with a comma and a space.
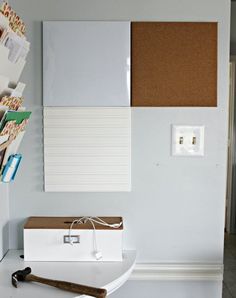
56, 239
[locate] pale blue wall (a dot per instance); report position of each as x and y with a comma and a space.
175, 212
171, 197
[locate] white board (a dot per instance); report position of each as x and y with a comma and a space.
86, 63
87, 149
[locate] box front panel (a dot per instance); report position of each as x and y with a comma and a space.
48, 245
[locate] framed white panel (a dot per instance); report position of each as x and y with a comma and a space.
87, 149
86, 63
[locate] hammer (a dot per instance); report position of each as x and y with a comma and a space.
25, 275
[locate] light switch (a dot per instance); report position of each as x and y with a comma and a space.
187, 140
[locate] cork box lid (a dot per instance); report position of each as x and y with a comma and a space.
65, 223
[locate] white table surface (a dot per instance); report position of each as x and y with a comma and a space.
108, 275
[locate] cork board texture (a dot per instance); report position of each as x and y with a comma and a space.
174, 64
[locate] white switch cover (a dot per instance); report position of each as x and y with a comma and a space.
187, 140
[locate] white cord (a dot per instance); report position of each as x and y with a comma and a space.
93, 221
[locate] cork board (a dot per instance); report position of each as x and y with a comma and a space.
174, 64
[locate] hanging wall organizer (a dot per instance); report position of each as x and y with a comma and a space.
13, 116
94, 72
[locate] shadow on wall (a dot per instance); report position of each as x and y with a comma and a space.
5, 238
233, 48
19, 223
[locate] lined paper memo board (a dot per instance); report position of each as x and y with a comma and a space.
87, 149
174, 64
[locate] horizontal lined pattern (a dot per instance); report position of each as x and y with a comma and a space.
87, 149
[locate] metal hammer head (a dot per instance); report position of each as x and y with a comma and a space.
20, 275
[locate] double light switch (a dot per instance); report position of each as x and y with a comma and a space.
187, 140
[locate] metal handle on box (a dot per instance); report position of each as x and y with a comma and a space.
73, 238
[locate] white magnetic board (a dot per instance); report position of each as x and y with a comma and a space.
87, 149
86, 63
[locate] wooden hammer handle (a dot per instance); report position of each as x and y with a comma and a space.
68, 286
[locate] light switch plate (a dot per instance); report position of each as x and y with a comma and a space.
187, 140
